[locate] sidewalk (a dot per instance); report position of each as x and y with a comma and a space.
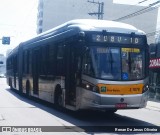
154, 105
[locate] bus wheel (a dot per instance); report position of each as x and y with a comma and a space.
27, 89
10, 84
58, 98
60, 103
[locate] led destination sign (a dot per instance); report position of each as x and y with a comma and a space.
154, 63
117, 39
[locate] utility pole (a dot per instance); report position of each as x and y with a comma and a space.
100, 9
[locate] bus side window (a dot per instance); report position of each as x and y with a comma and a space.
24, 62
30, 62
60, 60
44, 60
60, 52
23, 65
15, 64
52, 59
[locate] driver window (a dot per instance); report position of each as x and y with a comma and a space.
87, 64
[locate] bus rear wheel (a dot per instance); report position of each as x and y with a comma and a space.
58, 98
27, 89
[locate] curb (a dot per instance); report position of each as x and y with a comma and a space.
153, 105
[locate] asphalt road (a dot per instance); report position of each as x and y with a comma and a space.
16, 110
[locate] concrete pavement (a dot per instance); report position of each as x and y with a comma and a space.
154, 105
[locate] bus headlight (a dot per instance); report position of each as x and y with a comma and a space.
145, 88
91, 87
88, 86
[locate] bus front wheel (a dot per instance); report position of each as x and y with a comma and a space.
58, 98
10, 83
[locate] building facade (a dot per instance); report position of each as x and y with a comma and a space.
53, 13
155, 70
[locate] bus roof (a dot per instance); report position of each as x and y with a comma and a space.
88, 25
85, 25
95, 25
99, 25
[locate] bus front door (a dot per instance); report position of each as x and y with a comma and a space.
71, 77
35, 71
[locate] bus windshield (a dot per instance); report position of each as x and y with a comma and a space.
114, 63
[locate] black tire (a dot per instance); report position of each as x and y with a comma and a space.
10, 84
27, 89
58, 101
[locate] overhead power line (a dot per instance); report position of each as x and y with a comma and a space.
130, 7
142, 1
144, 10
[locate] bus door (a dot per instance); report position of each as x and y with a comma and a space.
35, 66
71, 77
15, 70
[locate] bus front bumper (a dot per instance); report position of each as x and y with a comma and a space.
100, 101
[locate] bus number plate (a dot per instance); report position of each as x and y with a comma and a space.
121, 105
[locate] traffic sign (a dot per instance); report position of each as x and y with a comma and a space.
6, 40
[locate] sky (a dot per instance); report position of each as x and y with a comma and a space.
18, 20
135, 2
